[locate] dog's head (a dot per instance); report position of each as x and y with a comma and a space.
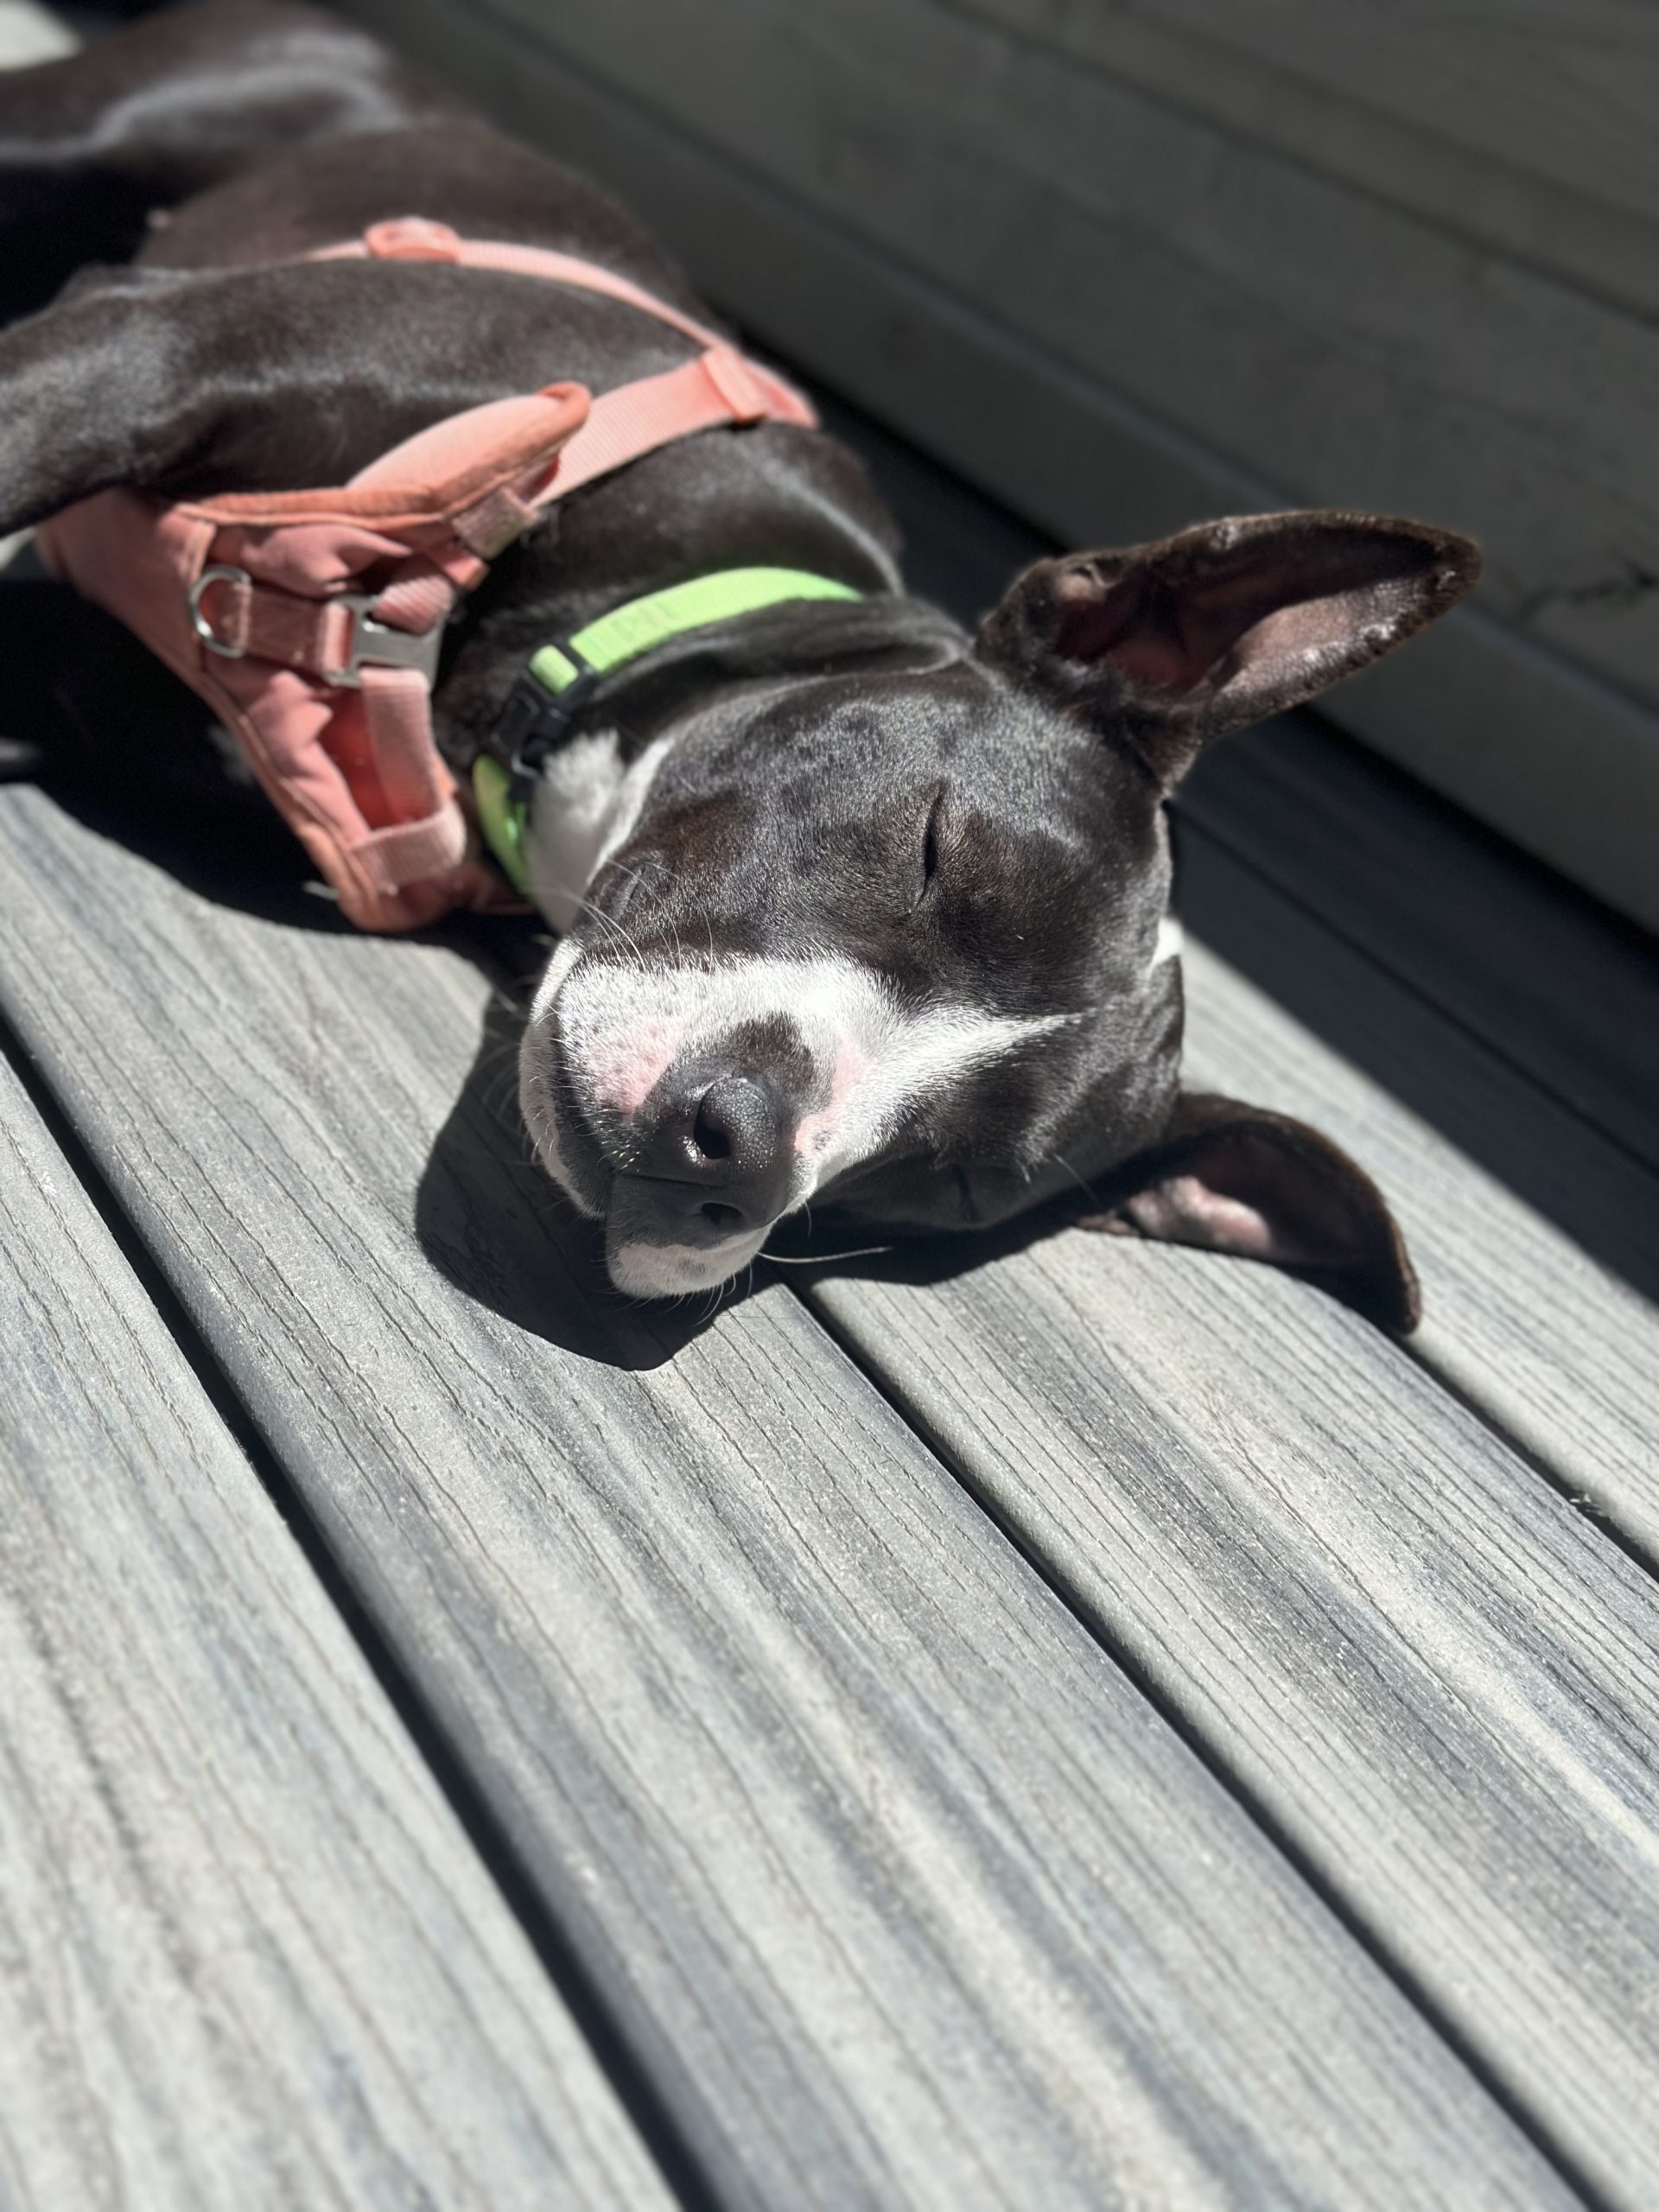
896, 942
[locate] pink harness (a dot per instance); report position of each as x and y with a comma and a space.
311, 621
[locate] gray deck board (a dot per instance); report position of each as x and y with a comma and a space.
1441, 1680
247, 1955
1528, 967
899, 1890
1561, 1352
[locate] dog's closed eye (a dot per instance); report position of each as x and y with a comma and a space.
931, 831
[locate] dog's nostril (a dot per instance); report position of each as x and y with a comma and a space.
710, 1132
732, 1140
724, 1218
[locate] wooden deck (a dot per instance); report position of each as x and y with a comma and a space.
1091, 1725
1055, 1723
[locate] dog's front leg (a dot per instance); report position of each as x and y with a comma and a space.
91, 146
196, 382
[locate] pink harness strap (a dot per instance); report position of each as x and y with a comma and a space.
311, 620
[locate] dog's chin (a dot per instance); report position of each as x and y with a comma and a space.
643, 1270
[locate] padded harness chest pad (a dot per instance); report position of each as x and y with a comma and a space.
351, 765
310, 621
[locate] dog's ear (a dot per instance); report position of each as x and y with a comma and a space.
198, 381
1173, 643
1238, 1179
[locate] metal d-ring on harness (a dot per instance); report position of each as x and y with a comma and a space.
368, 643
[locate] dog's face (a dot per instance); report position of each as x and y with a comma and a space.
910, 966
896, 943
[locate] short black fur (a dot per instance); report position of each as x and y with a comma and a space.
977, 821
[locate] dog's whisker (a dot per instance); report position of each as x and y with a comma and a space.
823, 1259
1060, 1161
619, 933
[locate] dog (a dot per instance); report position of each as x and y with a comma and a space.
856, 907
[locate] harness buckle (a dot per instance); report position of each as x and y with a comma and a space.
378, 644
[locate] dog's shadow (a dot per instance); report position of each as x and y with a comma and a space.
489, 1219
113, 738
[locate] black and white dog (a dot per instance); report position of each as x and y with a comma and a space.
856, 907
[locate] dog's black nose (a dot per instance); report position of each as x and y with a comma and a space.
736, 1122
727, 1147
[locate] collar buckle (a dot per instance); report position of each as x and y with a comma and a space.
535, 721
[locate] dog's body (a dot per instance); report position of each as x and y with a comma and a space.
857, 907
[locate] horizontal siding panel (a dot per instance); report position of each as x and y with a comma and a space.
1353, 354
1117, 318
1526, 125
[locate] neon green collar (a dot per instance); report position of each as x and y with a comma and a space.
561, 679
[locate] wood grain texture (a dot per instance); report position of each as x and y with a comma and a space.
1558, 759
247, 1956
1550, 983
1563, 89
899, 1889
1370, 360
1439, 1678
1561, 1352
1523, 128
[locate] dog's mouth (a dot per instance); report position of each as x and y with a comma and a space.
641, 1263
666, 1235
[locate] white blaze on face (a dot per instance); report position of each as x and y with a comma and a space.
620, 1028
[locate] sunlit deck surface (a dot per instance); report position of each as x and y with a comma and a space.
1083, 1723
1067, 1722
